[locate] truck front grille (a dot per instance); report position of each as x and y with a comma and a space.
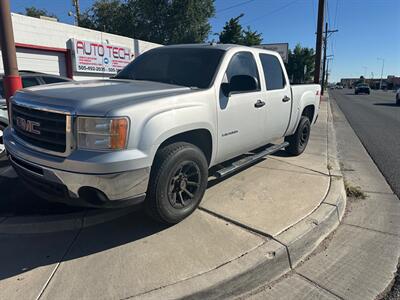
39, 128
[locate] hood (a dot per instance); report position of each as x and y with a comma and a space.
97, 97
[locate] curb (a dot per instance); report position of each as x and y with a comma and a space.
277, 256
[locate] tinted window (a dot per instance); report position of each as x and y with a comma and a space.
29, 81
273, 73
242, 63
190, 67
1, 89
49, 79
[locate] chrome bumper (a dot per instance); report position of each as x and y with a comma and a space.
127, 185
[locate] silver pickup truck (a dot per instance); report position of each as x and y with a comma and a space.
153, 131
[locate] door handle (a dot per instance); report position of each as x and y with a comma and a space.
259, 104
285, 99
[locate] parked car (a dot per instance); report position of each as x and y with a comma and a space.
362, 88
153, 131
29, 79
339, 87
398, 97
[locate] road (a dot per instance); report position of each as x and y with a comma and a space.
375, 119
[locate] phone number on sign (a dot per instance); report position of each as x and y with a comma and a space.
96, 69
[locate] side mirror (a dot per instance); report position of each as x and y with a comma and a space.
239, 84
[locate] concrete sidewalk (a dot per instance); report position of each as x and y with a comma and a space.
360, 259
263, 220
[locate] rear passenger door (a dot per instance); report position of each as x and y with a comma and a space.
277, 96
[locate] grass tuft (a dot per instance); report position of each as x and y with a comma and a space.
354, 191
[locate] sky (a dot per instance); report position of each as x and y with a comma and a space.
368, 30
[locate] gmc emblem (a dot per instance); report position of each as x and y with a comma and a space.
28, 125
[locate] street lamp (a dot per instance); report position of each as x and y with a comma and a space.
383, 65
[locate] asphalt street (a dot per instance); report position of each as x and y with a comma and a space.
375, 119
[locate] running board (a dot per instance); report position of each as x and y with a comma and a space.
249, 160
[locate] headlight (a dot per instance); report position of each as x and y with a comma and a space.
102, 133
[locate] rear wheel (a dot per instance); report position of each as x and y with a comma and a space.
299, 140
398, 100
2, 148
178, 181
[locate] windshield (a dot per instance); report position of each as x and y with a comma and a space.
191, 67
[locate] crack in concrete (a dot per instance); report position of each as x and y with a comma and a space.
321, 287
46, 284
371, 229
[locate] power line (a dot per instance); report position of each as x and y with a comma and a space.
336, 10
313, 12
233, 6
271, 12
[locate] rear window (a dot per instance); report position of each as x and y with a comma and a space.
274, 78
29, 81
49, 79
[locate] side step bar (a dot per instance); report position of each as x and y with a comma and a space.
249, 160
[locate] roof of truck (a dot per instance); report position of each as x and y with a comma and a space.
224, 47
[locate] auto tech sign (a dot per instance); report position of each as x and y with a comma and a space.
93, 57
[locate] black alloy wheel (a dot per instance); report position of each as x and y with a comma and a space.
184, 184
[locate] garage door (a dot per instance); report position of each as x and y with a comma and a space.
40, 61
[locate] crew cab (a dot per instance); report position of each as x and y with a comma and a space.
151, 133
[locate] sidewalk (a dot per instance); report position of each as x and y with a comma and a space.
360, 259
251, 228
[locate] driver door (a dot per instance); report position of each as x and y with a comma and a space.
241, 114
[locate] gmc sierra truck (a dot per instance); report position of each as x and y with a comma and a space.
151, 133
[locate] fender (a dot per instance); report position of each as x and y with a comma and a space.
306, 99
164, 124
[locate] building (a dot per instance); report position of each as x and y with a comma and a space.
389, 83
75, 52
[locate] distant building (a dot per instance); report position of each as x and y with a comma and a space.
391, 82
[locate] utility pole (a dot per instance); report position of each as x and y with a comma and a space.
77, 15
383, 65
327, 68
324, 63
318, 44
325, 49
11, 80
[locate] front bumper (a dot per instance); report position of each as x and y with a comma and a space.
95, 190
78, 188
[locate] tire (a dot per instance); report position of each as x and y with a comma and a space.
299, 140
397, 101
2, 149
178, 180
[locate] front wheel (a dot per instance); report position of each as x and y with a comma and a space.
2, 148
299, 140
178, 181
397, 101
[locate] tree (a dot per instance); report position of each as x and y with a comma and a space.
301, 64
37, 12
104, 15
251, 38
233, 33
158, 21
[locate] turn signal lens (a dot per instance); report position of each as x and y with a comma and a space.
119, 130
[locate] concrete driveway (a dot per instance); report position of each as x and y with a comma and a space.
52, 251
